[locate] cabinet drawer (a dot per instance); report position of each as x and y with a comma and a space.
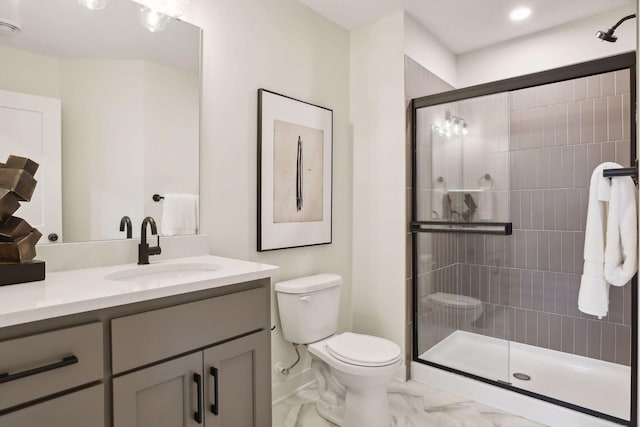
80, 409
39, 365
145, 338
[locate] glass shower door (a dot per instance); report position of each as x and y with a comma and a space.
461, 233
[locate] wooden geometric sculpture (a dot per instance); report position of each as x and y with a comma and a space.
17, 238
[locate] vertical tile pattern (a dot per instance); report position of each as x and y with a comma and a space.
437, 268
528, 282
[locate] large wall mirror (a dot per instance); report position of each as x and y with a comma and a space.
108, 108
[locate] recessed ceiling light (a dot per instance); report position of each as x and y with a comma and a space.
520, 13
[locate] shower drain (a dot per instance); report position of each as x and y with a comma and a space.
521, 376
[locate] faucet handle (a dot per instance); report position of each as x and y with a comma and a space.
156, 250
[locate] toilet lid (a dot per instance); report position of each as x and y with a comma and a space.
363, 350
453, 300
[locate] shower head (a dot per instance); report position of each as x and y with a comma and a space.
608, 35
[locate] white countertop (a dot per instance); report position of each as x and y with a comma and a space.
76, 291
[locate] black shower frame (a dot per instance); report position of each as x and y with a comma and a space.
585, 69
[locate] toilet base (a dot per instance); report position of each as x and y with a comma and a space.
367, 408
351, 401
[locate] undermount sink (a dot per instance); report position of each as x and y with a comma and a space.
156, 273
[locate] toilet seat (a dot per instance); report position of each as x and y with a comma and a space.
363, 350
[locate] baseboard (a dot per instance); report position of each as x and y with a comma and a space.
291, 385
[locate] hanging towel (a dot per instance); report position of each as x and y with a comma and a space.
179, 214
485, 198
610, 249
441, 198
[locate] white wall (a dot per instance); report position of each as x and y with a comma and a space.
103, 146
126, 125
282, 46
559, 46
421, 46
379, 173
171, 134
29, 72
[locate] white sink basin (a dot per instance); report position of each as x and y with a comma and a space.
165, 273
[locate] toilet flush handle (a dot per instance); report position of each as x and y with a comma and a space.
305, 298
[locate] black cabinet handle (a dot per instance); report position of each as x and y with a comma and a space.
214, 407
6, 377
198, 414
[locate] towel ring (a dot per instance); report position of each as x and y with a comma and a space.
440, 181
487, 178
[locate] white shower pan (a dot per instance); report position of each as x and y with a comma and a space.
589, 383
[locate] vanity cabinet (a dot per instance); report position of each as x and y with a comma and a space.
193, 359
221, 386
221, 382
51, 363
79, 409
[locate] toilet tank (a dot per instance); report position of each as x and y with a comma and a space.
308, 307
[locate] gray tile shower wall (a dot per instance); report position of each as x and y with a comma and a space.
437, 263
529, 281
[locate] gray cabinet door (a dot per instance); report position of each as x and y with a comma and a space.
241, 370
164, 395
80, 409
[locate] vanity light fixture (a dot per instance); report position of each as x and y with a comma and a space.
520, 13
93, 4
153, 20
452, 126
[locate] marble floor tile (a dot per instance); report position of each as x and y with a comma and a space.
411, 404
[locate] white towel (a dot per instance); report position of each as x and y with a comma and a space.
610, 249
179, 214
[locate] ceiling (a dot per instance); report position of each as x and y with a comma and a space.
65, 29
465, 25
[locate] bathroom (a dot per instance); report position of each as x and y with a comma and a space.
299, 49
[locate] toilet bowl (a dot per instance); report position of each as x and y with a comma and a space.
465, 308
351, 369
363, 365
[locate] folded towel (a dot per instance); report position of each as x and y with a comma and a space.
179, 214
610, 249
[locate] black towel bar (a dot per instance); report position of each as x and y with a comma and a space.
632, 172
157, 197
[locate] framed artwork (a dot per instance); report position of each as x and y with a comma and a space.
295, 141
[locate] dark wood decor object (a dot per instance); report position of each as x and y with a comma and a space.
17, 238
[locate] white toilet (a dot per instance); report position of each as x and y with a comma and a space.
351, 369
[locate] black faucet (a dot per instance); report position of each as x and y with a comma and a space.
143, 248
126, 221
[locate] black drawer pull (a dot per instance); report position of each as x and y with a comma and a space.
214, 408
197, 378
6, 377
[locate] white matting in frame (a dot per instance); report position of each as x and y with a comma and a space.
295, 142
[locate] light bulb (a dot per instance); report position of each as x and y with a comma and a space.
172, 8
153, 20
93, 4
465, 131
520, 13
